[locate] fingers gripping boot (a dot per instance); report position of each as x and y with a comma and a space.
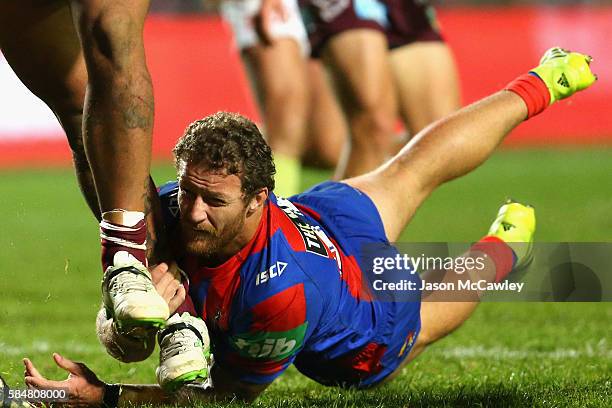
129, 295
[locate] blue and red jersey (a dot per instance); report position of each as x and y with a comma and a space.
296, 293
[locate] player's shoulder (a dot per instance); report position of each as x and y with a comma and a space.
168, 188
275, 275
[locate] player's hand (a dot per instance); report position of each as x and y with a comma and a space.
167, 279
269, 11
82, 386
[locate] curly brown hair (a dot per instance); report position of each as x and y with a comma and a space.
231, 142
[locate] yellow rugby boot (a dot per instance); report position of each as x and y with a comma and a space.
515, 225
564, 72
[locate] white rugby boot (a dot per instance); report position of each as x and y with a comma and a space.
184, 351
129, 295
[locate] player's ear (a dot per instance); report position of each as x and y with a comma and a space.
258, 200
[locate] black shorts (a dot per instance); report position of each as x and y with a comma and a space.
402, 21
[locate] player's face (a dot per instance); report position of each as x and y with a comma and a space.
212, 208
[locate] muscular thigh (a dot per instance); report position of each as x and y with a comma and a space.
39, 41
278, 71
397, 188
397, 192
358, 59
427, 82
327, 128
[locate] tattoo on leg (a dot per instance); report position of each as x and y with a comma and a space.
138, 115
139, 110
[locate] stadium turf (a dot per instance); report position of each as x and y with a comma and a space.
508, 354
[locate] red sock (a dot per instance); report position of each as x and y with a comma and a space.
533, 91
499, 252
117, 238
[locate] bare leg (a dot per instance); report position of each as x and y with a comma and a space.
362, 75
327, 129
36, 35
427, 83
450, 148
440, 316
443, 151
118, 114
117, 126
41, 44
279, 77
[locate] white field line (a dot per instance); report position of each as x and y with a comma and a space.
503, 353
46, 347
497, 353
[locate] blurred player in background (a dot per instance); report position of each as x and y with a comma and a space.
277, 71
291, 91
326, 130
282, 282
86, 61
386, 56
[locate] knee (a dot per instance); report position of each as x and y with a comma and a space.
372, 111
112, 33
285, 114
433, 333
286, 100
426, 338
373, 129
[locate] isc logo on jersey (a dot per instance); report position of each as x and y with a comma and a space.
272, 272
270, 345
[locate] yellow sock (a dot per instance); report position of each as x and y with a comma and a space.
288, 175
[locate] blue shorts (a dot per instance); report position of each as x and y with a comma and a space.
353, 219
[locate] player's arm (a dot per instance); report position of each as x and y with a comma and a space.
138, 343
226, 384
223, 386
84, 388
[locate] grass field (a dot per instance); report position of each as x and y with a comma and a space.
508, 354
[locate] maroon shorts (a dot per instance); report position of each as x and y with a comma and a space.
402, 21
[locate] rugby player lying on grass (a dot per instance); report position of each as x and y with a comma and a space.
277, 281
